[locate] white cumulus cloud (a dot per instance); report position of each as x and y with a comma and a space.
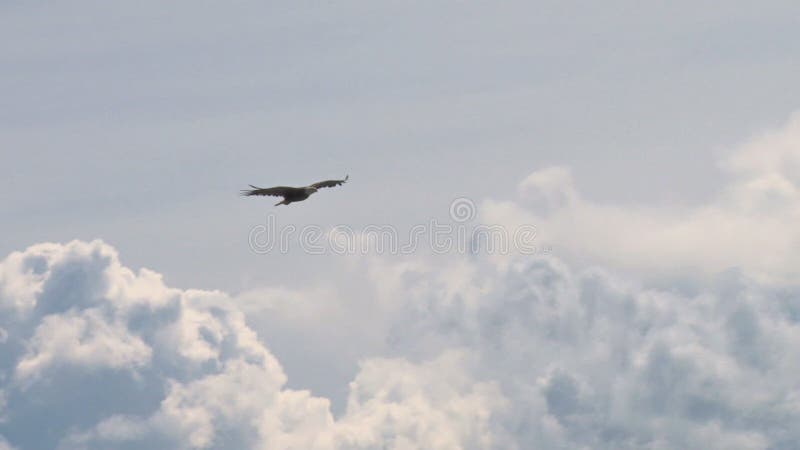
100, 356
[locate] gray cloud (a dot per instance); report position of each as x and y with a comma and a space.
592, 362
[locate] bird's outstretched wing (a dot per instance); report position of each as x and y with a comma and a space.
330, 183
277, 191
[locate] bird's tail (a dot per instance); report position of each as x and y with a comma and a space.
248, 192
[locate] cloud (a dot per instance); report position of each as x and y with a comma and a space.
589, 361
100, 356
4, 445
475, 356
449, 353
749, 226
549, 189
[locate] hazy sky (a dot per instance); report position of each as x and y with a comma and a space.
139, 122
655, 146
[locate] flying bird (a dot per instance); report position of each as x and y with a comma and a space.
293, 194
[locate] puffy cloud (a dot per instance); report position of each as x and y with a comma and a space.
389, 396
751, 225
99, 356
84, 339
549, 189
90, 343
588, 361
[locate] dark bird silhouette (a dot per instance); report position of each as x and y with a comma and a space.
293, 194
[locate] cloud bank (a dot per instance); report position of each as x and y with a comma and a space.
534, 355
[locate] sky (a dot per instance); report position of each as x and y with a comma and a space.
654, 148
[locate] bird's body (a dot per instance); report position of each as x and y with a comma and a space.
293, 194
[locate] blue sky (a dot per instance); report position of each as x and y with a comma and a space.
654, 142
